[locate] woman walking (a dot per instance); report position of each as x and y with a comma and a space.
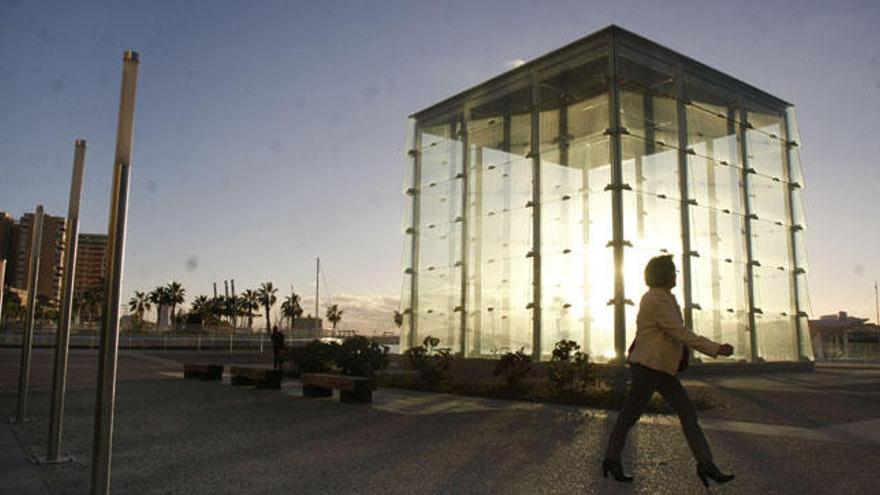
658, 353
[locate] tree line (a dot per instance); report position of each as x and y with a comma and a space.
212, 311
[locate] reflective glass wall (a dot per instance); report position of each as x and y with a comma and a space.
535, 200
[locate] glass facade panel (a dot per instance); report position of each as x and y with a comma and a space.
477, 188
771, 244
768, 198
575, 210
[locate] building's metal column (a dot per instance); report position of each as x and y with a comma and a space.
563, 139
616, 187
102, 446
62, 339
415, 192
535, 155
463, 175
477, 222
24, 371
507, 142
686, 201
744, 126
452, 219
790, 144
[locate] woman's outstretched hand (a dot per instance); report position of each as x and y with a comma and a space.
725, 350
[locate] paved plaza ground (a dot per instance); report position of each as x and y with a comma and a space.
781, 433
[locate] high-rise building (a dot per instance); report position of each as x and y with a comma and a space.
51, 256
7, 242
91, 259
535, 199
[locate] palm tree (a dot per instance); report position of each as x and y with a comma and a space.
201, 306
250, 302
91, 302
138, 305
398, 319
175, 295
157, 297
334, 315
266, 294
291, 308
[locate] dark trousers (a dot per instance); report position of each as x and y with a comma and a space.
644, 382
276, 360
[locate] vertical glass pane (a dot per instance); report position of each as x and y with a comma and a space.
768, 198
439, 232
771, 244
775, 330
499, 226
575, 154
721, 304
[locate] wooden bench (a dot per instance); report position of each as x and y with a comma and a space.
351, 388
202, 371
260, 377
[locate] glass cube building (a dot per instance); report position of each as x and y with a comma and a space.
534, 200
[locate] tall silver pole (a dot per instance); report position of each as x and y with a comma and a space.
28, 337
2, 286
317, 284
215, 290
106, 393
62, 339
234, 305
876, 302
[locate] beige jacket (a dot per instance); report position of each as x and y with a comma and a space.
661, 334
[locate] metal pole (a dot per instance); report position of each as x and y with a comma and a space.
62, 340
226, 288
215, 290
2, 286
106, 393
234, 306
317, 280
877, 317
28, 337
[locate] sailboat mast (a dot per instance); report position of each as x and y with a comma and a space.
317, 294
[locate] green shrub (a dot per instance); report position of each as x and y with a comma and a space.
569, 369
360, 356
514, 367
431, 362
315, 357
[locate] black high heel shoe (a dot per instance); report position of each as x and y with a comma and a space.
708, 471
616, 470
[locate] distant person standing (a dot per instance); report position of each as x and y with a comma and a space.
277, 345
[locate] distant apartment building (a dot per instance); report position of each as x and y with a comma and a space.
91, 259
51, 256
7, 239
15, 247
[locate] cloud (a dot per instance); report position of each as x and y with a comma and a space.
367, 314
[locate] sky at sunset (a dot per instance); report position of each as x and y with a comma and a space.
268, 133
